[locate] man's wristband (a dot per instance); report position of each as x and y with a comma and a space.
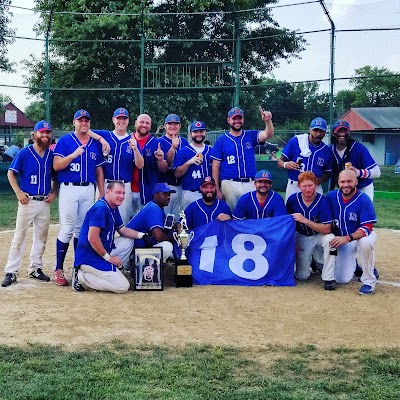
284, 164
140, 235
351, 237
107, 256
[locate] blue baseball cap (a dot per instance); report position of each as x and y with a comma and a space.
206, 180
235, 111
81, 114
121, 112
318, 123
162, 187
340, 124
263, 175
172, 118
42, 126
197, 126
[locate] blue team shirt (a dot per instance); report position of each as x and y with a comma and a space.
199, 213
83, 167
108, 219
118, 165
248, 206
236, 154
319, 162
191, 180
360, 158
35, 172
319, 211
348, 217
165, 144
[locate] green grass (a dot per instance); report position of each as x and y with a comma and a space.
388, 181
117, 371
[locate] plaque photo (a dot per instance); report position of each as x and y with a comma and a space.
148, 269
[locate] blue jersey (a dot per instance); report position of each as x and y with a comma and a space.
118, 164
248, 206
165, 144
318, 211
148, 175
108, 219
83, 167
35, 172
319, 162
360, 158
191, 180
349, 216
236, 155
199, 213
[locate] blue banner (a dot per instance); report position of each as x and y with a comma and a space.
252, 252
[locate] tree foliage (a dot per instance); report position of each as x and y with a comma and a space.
5, 35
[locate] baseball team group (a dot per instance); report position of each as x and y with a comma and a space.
143, 182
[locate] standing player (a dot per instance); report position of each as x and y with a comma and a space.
171, 143
313, 217
347, 150
208, 208
144, 180
354, 216
121, 158
307, 152
193, 163
234, 161
261, 203
94, 266
78, 159
35, 193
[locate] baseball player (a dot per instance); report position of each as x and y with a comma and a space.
234, 161
151, 221
307, 152
354, 217
208, 208
171, 143
94, 266
351, 154
144, 180
193, 163
121, 158
78, 159
261, 203
312, 213
35, 193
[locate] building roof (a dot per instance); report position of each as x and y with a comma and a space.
14, 117
373, 118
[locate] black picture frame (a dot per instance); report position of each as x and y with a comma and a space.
148, 269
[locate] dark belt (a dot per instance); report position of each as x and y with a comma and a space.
77, 183
241, 179
115, 180
197, 191
37, 198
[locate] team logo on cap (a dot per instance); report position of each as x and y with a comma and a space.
83, 112
265, 175
46, 125
207, 179
198, 124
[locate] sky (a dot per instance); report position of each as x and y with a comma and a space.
352, 50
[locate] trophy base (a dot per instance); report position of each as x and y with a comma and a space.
183, 274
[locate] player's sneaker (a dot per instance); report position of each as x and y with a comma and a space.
366, 289
329, 285
75, 282
38, 274
9, 278
59, 278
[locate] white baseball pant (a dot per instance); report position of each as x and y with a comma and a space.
233, 191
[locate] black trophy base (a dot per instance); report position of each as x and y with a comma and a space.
183, 274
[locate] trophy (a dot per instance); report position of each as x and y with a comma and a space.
183, 270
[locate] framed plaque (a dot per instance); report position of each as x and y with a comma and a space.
148, 274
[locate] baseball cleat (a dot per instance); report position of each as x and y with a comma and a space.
59, 278
38, 274
366, 289
75, 282
9, 278
329, 285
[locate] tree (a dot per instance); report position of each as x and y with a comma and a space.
96, 63
5, 35
36, 111
4, 99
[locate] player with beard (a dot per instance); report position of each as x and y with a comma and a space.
208, 208
357, 157
262, 202
234, 160
144, 180
193, 164
35, 192
354, 217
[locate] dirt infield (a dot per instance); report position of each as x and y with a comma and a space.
39, 312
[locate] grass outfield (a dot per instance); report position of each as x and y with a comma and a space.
199, 372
